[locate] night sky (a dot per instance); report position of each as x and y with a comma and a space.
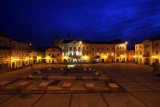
37, 21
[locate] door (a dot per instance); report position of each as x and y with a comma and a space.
13, 65
102, 60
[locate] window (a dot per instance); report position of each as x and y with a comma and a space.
107, 48
140, 46
87, 48
156, 52
92, 49
140, 53
146, 46
58, 54
97, 48
1, 55
102, 48
156, 44
70, 48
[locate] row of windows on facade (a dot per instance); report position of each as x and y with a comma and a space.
4, 55
147, 46
120, 47
85, 48
147, 53
19, 47
71, 54
3, 43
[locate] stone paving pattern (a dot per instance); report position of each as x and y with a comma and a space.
142, 90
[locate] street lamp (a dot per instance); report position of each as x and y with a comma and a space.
80, 42
126, 43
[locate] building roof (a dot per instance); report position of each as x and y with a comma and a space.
68, 41
95, 42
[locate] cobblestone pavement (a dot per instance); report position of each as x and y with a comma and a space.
142, 89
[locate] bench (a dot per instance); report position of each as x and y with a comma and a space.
4, 83
87, 78
113, 86
54, 88
90, 86
66, 85
23, 84
32, 88
43, 85
103, 78
78, 88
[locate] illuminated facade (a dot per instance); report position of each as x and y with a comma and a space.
5, 52
36, 57
13, 54
53, 55
130, 55
156, 51
19, 54
76, 51
147, 52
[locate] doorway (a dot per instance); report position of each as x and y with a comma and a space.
102, 60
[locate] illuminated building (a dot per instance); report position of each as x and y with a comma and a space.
84, 51
156, 51
147, 52
5, 51
13, 54
36, 57
130, 55
53, 55
19, 54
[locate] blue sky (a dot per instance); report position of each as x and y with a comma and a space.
37, 21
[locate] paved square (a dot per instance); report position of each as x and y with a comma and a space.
138, 87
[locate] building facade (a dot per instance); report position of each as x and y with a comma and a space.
5, 53
130, 55
36, 57
13, 54
76, 51
19, 54
147, 52
156, 51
